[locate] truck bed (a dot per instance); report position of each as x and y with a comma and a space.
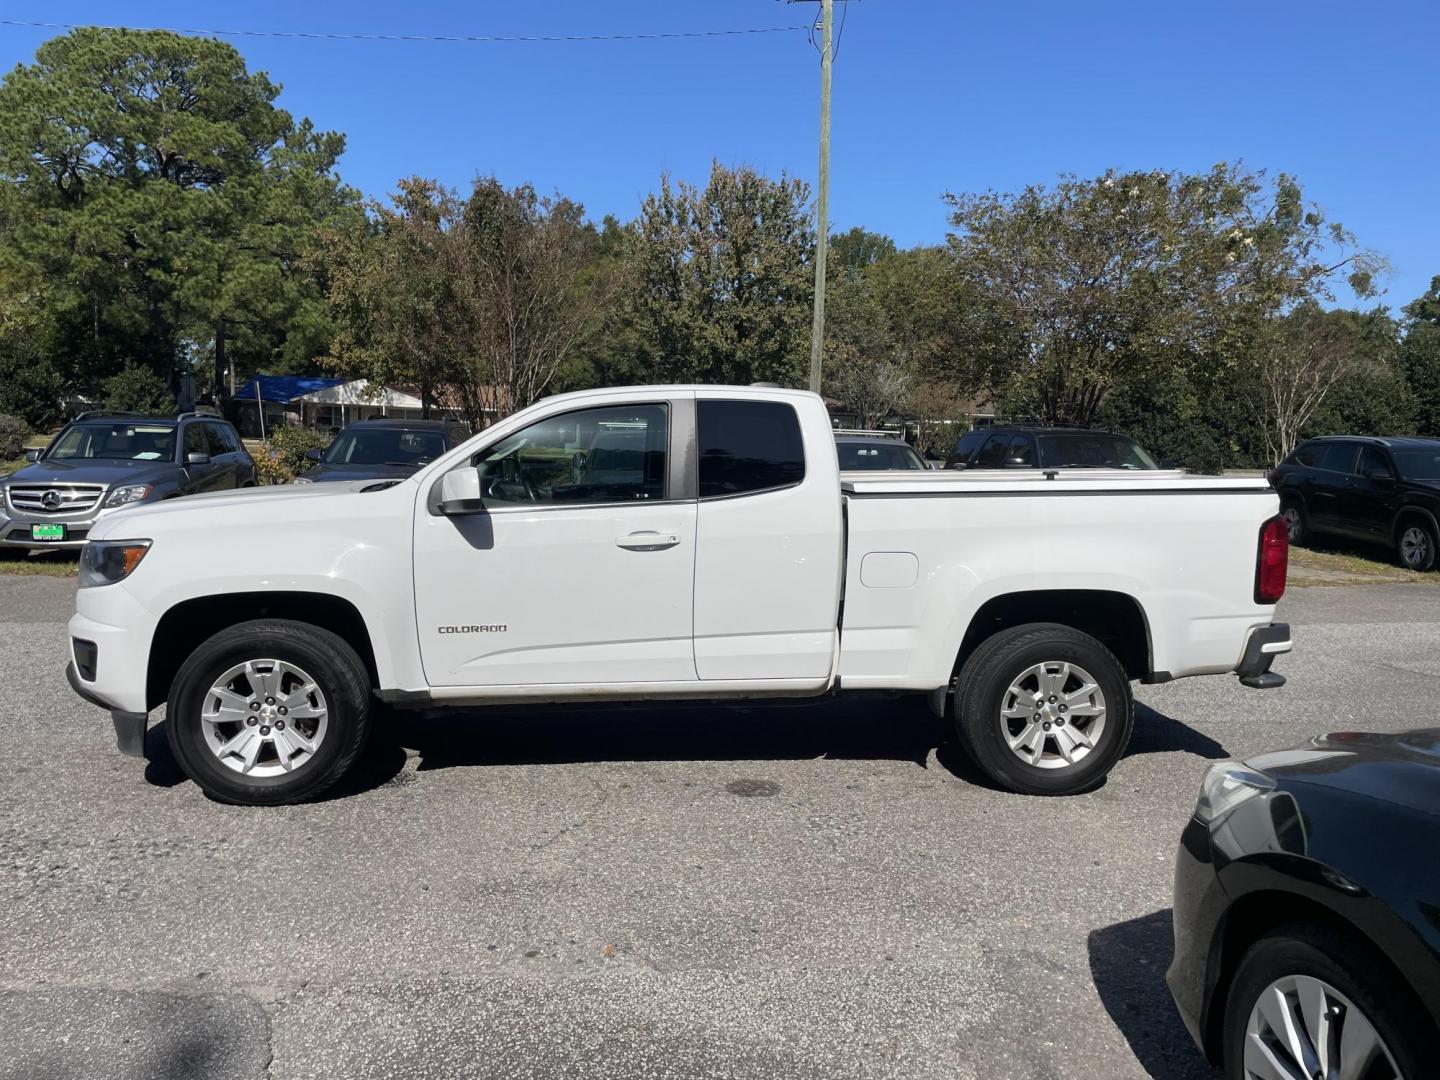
1041, 481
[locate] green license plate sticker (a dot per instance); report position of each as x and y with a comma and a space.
47, 532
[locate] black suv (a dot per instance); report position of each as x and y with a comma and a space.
102, 461
1381, 490
383, 449
1016, 446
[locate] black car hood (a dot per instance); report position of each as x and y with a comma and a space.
93, 471
1402, 768
325, 471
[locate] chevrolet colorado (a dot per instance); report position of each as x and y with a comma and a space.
671, 542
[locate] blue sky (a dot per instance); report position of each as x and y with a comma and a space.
930, 95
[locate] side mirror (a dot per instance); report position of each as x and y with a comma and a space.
197, 458
460, 492
33, 456
1379, 474
314, 455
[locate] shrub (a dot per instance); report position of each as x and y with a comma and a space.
138, 389
30, 387
282, 455
13, 433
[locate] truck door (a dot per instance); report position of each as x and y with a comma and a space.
580, 568
769, 541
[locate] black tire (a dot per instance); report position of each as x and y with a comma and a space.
984, 683
1415, 552
336, 669
1293, 511
1348, 965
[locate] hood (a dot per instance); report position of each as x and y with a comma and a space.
329, 472
91, 471
1402, 768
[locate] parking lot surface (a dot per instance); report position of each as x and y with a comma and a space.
771, 891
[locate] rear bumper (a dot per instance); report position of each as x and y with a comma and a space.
1264, 644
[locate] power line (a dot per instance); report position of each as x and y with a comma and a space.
464, 39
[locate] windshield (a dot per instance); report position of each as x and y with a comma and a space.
121, 441
385, 446
878, 455
1093, 450
1418, 464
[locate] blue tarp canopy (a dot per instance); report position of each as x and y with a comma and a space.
284, 388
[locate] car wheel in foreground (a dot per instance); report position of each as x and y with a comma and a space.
1295, 522
1416, 545
1044, 709
269, 712
1309, 1002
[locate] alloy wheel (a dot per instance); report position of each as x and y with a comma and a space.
1053, 714
1414, 546
1302, 1028
264, 718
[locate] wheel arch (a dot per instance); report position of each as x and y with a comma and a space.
1409, 513
188, 623
1258, 913
1116, 619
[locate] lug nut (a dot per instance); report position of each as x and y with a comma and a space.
1052, 699
266, 730
250, 721
1062, 708
271, 700
279, 725
1060, 722
284, 711
1047, 728
254, 705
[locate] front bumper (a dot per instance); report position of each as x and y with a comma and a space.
1199, 909
15, 528
129, 726
1264, 644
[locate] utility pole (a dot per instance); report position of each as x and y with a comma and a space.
822, 201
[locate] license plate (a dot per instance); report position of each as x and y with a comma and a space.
47, 532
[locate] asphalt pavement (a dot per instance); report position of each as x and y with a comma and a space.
811, 890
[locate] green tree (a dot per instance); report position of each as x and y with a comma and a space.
857, 248
149, 181
721, 280
481, 301
1419, 359
137, 389
1074, 291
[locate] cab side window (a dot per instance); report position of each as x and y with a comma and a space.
748, 446
216, 441
968, 444
613, 454
1374, 462
1336, 457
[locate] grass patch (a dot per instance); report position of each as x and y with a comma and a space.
1339, 563
41, 564
7, 467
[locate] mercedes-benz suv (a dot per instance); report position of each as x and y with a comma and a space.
102, 461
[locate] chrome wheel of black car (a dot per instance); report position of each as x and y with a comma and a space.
1301, 1026
1294, 523
1417, 549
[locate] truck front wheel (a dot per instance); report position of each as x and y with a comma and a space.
1044, 709
268, 712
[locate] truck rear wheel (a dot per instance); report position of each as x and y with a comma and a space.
269, 712
1044, 709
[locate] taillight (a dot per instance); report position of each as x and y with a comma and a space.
1272, 561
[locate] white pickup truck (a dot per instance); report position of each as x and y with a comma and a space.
671, 542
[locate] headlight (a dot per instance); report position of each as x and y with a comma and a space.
1226, 785
104, 562
302, 480
130, 493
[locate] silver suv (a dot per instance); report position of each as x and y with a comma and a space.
102, 461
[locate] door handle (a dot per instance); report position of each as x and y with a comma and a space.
647, 541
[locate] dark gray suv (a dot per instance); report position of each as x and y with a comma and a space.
102, 461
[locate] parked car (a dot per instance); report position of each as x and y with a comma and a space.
1383, 491
671, 542
875, 450
383, 449
104, 460
1016, 446
1306, 891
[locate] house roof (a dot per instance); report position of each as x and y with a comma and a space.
284, 388
361, 392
